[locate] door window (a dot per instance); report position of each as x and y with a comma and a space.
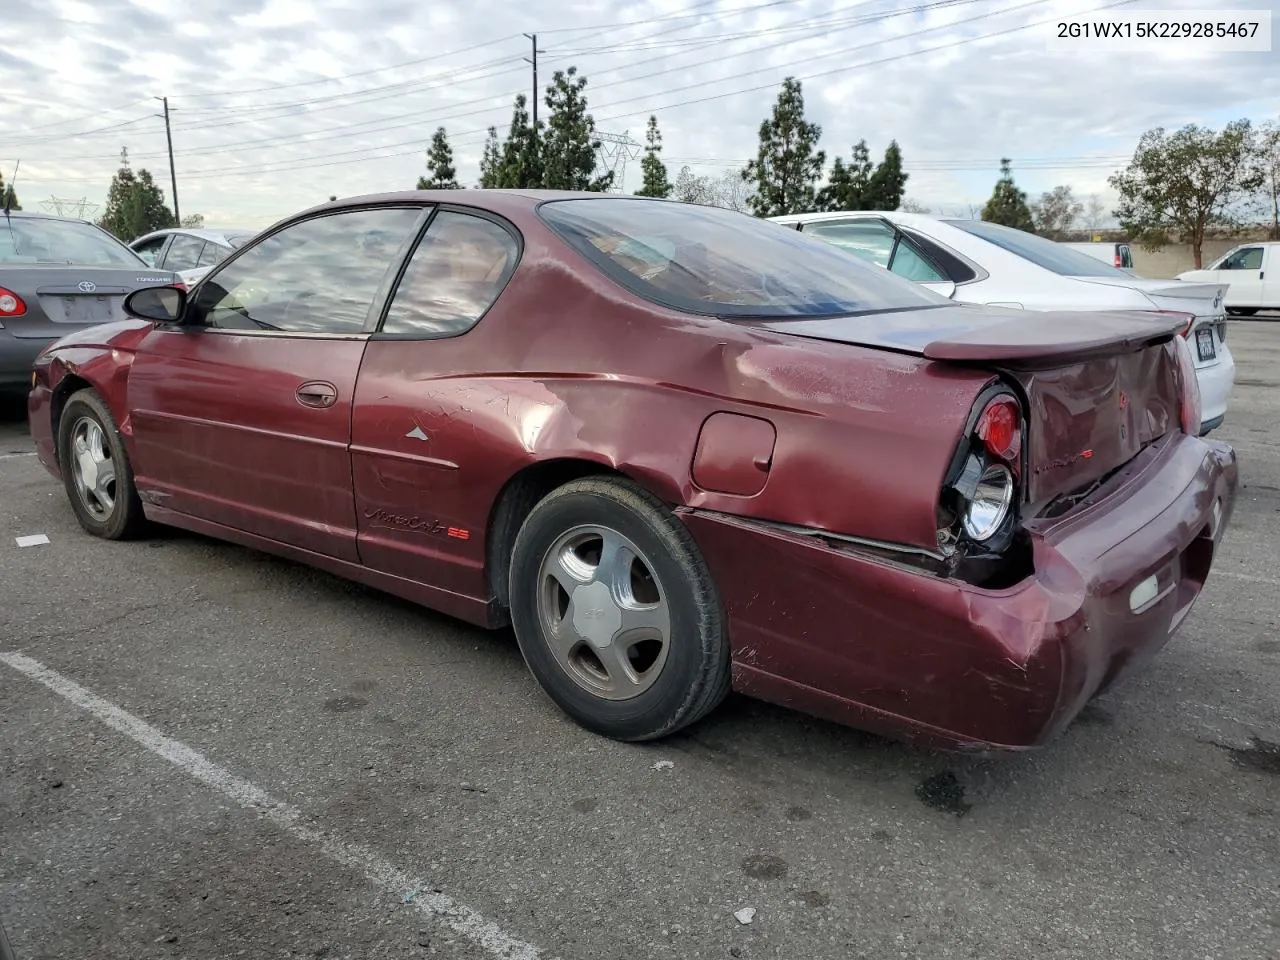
316, 276
211, 254
150, 251
875, 240
184, 252
870, 239
1250, 258
1126, 257
453, 277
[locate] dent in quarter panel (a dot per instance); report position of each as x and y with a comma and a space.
734, 454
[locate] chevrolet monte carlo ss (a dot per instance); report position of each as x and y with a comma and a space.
677, 449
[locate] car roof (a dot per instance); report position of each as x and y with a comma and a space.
33, 215
204, 233
896, 216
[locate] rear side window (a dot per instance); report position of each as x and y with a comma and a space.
1054, 257
456, 273
957, 270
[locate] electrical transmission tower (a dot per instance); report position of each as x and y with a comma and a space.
612, 154
81, 209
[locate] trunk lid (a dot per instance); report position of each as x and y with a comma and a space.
1205, 301
60, 298
1099, 386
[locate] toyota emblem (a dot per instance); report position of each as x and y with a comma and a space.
87, 286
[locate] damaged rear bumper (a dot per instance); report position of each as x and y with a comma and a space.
831, 630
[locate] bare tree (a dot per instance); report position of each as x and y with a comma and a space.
1094, 214
911, 206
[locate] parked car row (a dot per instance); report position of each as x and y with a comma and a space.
679, 449
190, 252
972, 261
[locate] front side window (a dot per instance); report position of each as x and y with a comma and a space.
1047, 254
1250, 258
454, 276
184, 252
714, 262
316, 276
41, 240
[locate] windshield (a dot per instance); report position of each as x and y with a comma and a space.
1055, 257
37, 240
712, 261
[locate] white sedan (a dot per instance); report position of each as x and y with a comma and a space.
972, 261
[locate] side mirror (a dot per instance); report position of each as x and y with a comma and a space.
161, 304
944, 288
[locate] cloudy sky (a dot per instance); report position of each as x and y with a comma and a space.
276, 104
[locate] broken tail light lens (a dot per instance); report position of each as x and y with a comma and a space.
980, 500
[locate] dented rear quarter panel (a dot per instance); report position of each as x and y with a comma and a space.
567, 366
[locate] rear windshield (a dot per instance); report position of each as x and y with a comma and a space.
1055, 257
36, 240
711, 261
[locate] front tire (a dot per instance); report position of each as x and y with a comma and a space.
96, 470
615, 611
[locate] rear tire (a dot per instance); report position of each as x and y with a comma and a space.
615, 611
96, 470
1242, 311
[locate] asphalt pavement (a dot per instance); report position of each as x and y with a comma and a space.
206, 752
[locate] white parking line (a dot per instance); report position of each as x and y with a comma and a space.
381, 872
10, 456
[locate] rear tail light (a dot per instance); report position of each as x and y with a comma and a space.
181, 286
11, 305
1118, 261
979, 501
1189, 386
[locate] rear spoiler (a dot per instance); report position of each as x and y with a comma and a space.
1057, 337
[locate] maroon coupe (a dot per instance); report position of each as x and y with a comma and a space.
678, 449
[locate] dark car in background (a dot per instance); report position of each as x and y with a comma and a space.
58, 275
190, 252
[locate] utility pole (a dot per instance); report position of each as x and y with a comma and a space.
173, 171
533, 39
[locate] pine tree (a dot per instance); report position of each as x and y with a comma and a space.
788, 165
442, 174
135, 205
885, 186
655, 182
1008, 204
569, 147
848, 185
520, 165
491, 161
8, 194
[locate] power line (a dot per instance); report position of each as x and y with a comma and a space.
820, 26
847, 67
263, 170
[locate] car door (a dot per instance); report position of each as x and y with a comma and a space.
414, 437
241, 415
1243, 269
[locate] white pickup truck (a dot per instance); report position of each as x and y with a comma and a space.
1245, 269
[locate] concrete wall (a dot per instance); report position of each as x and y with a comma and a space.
1172, 260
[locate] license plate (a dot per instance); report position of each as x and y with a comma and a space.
87, 309
1204, 343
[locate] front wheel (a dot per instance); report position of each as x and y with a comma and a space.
96, 471
615, 611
